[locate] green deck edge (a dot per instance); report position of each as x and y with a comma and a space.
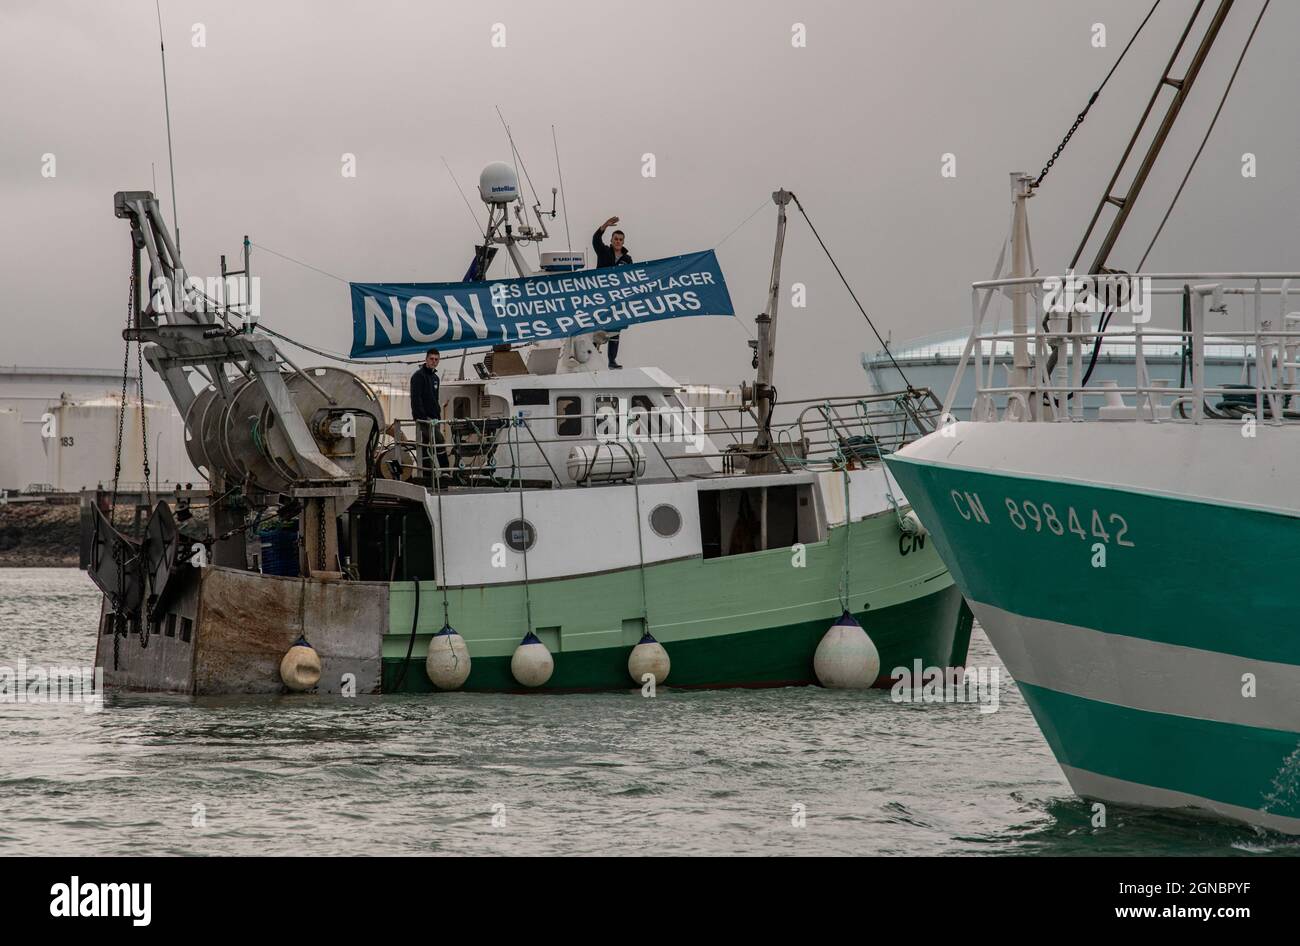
743, 620
934, 629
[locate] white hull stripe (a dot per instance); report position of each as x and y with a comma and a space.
1120, 792
1142, 674
1205, 463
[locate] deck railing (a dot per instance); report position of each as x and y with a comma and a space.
813, 432
1269, 341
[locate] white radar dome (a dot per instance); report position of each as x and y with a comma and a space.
498, 184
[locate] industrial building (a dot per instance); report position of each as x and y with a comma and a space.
931, 362
58, 431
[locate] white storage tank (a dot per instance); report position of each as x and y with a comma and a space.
931, 362
11, 434
392, 388
82, 444
83, 441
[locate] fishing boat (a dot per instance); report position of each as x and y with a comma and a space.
1110, 540
561, 527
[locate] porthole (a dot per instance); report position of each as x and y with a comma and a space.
665, 520
520, 535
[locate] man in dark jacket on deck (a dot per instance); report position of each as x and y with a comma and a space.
615, 254
427, 411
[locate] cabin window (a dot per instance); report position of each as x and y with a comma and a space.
568, 420
170, 630
460, 408
755, 519
606, 417
641, 418
187, 629
530, 397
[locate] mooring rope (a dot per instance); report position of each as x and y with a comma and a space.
853, 295
515, 455
848, 522
442, 537
861, 407
410, 643
1196, 157
640, 544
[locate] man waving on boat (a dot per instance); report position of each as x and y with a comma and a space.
426, 409
615, 254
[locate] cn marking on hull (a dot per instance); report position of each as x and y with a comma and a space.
969, 507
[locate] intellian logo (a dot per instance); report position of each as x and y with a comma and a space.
78, 899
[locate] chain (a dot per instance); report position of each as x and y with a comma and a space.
1084, 114
144, 425
320, 533
121, 404
118, 615
1066, 140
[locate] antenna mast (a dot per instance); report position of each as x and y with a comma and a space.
564, 203
167, 111
764, 392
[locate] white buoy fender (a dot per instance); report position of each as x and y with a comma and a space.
447, 664
912, 525
846, 659
649, 656
300, 666
532, 664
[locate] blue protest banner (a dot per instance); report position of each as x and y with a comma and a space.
397, 318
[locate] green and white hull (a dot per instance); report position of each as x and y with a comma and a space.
602, 566
747, 620
1137, 581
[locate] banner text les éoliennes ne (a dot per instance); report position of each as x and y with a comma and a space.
399, 318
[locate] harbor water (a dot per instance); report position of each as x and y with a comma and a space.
781, 771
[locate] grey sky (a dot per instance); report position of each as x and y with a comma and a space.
855, 124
